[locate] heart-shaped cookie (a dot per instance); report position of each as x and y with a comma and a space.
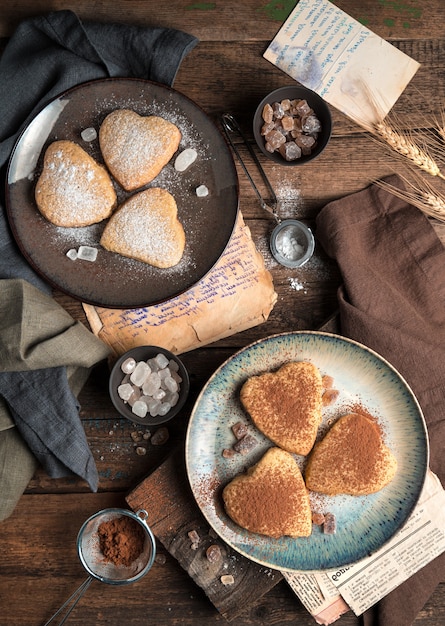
73, 189
136, 148
271, 498
146, 227
350, 459
286, 405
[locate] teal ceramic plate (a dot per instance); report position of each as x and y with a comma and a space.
365, 382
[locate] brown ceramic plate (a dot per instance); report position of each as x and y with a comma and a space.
113, 280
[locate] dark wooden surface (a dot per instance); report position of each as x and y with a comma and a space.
39, 567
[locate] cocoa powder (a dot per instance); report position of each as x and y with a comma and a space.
121, 540
362, 455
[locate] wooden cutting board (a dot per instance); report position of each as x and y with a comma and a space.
172, 514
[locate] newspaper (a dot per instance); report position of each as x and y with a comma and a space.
348, 65
329, 594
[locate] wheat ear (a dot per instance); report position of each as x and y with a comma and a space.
400, 142
404, 145
421, 195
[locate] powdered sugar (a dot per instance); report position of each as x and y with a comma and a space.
146, 228
72, 189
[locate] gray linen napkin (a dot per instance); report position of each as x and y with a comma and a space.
45, 56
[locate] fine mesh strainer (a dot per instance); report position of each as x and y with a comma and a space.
291, 242
94, 562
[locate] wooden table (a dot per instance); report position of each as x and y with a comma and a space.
39, 567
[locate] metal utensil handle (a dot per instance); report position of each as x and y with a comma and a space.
231, 126
75, 597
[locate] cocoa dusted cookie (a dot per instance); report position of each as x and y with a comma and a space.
351, 459
286, 405
271, 498
136, 148
73, 190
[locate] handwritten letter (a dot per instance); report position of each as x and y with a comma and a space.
237, 294
349, 66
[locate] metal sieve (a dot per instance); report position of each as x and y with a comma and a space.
291, 242
94, 562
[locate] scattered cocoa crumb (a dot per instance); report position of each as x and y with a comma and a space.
327, 381
330, 524
213, 553
329, 397
228, 453
239, 430
245, 445
141, 451
160, 558
194, 538
227, 579
317, 519
136, 436
160, 436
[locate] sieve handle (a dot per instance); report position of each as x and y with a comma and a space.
74, 598
231, 127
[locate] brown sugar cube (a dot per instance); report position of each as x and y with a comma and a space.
327, 381
245, 445
285, 104
239, 430
275, 139
287, 123
290, 151
267, 127
329, 396
267, 113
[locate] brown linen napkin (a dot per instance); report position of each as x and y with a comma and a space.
393, 300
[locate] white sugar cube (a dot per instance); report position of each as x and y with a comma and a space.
161, 360
185, 159
72, 254
140, 373
140, 408
128, 365
125, 391
87, 253
151, 383
89, 134
202, 191
170, 384
164, 408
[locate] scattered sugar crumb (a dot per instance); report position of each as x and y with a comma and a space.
297, 285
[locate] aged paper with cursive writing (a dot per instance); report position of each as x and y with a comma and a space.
348, 65
237, 294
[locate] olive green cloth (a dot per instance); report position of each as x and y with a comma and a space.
37, 333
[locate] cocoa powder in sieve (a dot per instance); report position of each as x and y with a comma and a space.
121, 540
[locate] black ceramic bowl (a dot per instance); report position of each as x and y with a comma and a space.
320, 108
117, 376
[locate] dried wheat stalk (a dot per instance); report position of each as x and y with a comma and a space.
403, 144
388, 130
420, 193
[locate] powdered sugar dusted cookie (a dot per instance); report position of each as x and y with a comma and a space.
146, 228
136, 148
73, 190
